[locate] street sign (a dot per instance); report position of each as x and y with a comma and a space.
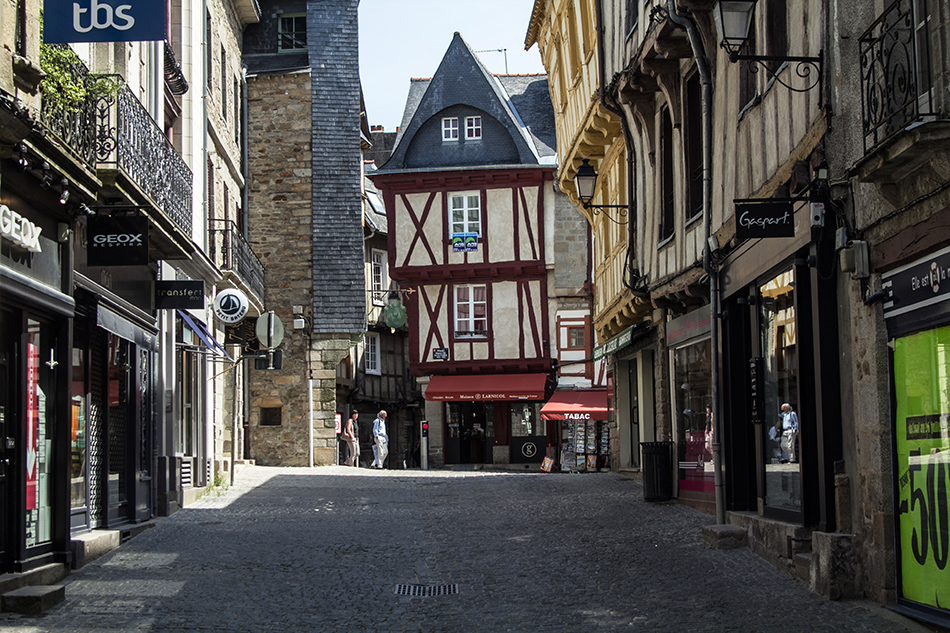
270, 330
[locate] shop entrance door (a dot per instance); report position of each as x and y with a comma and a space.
470, 427
9, 332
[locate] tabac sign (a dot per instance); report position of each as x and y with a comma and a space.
66, 21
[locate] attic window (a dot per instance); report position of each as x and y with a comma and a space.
450, 129
473, 127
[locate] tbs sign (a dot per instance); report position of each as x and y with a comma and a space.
68, 21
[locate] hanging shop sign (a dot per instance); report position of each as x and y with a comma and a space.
465, 242
117, 241
179, 295
243, 334
764, 218
68, 21
19, 230
231, 306
920, 284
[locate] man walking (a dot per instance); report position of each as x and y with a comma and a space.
790, 432
381, 439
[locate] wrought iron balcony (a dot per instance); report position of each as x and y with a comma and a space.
71, 120
231, 252
896, 84
129, 141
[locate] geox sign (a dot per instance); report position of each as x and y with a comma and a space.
19, 230
117, 241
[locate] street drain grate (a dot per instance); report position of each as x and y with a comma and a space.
426, 591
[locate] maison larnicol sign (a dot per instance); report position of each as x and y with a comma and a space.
764, 218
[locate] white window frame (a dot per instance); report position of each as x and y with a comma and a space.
466, 202
473, 128
467, 326
450, 129
296, 46
371, 353
379, 275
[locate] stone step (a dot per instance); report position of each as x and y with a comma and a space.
32, 600
803, 563
45, 575
725, 536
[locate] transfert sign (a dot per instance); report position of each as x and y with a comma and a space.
67, 21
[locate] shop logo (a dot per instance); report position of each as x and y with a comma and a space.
934, 277
528, 449
19, 230
103, 21
577, 416
231, 306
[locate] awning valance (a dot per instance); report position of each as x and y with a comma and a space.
206, 337
586, 404
488, 387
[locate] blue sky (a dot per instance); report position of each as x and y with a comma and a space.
401, 39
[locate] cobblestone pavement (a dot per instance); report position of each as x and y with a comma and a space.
323, 549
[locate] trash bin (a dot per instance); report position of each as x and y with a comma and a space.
657, 471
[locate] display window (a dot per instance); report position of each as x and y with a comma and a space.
921, 374
692, 412
779, 343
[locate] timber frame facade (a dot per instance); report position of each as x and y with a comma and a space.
800, 345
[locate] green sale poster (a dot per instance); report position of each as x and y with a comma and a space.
922, 434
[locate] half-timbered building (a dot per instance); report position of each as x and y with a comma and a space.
471, 206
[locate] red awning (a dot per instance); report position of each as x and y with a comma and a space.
493, 387
587, 404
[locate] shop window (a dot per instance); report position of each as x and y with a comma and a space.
466, 213
778, 337
270, 416
526, 420
471, 311
292, 32
77, 431
371, 355
38, 456
693, 414
450, 129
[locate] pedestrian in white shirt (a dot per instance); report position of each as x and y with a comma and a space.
381, 439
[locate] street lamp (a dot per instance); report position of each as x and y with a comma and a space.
734, 20
585, 183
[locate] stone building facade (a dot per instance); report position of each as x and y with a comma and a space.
305, 218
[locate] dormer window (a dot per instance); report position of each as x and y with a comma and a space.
450, 129
473, 127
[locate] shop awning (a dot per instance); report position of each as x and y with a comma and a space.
206, 337
586, 404
493, 387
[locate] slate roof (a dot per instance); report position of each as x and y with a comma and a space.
518, 129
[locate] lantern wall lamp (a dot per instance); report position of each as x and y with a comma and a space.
734, 20
585, 183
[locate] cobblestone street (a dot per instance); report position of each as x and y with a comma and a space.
322, 550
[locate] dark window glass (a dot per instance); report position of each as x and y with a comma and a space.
270, 416
666, 174
694, 147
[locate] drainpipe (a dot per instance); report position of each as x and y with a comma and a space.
628, 146
702, 64
245, 170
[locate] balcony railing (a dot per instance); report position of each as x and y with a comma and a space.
129, 140
896, 86
230, 251
71, 122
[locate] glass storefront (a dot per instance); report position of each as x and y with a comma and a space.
692, 401
470, 432
77, 434
778, 340
38, 458
921, 373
